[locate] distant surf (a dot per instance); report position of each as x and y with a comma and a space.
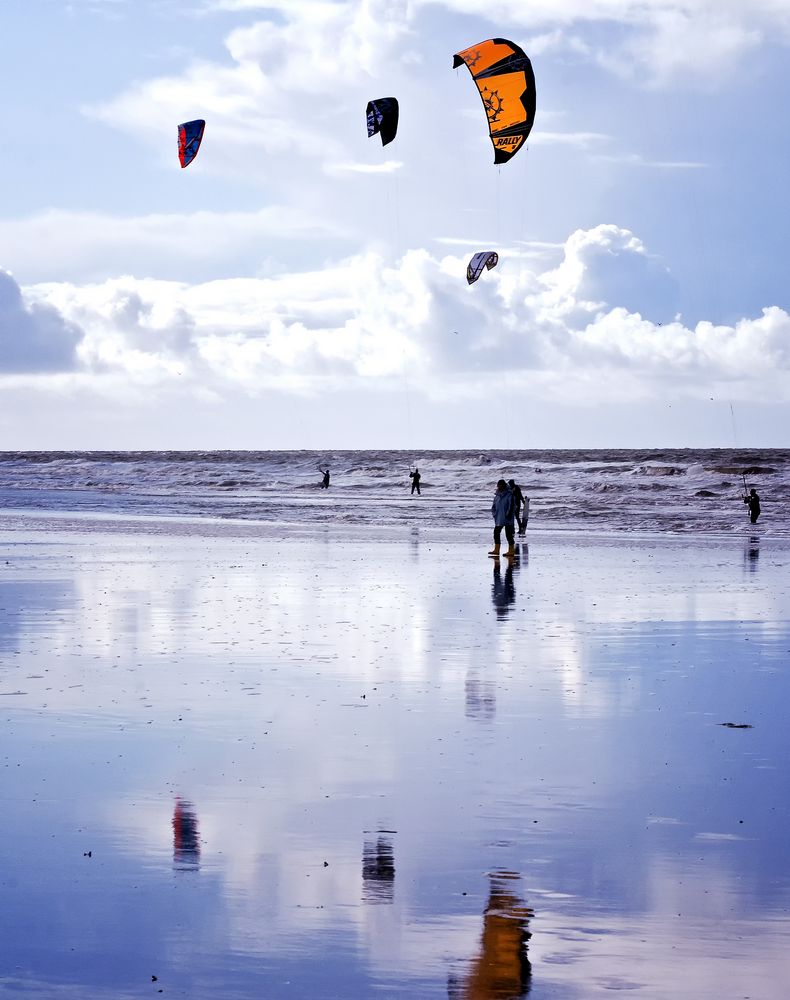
665, 491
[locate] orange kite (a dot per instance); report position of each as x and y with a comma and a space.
504, 77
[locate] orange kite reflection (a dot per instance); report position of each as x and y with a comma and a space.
186, 839
501, 970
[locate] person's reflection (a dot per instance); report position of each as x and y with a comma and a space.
751, 553
502, 970
480, 698
503, 591
414, 540
186, 842
378, 870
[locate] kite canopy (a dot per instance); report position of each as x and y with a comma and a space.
504, 77
190, 135
383, 117
480, 261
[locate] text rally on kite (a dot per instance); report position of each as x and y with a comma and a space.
382, 116
190, 135
504, 77
480, 261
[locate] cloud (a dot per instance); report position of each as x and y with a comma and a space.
635, 160
35, 337
703, 39
292, 79
388, 167
283, 90
608, 267
90, 245
285, 113
581, 140
594, 324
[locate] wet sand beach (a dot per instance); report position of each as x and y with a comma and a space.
339, 764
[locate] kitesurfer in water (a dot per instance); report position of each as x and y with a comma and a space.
753, 502
503, 511
325, 480
415, 481
521, 502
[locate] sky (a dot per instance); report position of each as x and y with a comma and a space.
301, 286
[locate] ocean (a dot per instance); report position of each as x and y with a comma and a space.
592, 491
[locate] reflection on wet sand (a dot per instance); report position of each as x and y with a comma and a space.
378, 869
186, 841
751, 553
25, 604
502, 970
503, 591
480, 698
574, 739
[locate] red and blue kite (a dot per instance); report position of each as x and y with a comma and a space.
190, 135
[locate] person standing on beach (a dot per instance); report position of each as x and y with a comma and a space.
503, 511
524, 515
520, 501
753, 502
415, 481
325, 480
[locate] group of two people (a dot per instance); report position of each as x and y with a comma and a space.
510, 507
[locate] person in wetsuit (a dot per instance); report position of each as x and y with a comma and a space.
753, 502
325, 480
415, 481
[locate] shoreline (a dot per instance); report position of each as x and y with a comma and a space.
116, 522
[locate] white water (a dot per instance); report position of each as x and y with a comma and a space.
603, 491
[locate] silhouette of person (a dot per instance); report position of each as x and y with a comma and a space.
753, 502
521, 501
415, 481
325, 480
503, 511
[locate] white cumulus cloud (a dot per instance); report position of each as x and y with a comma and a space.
591, 320
701, 38
91, 245
34, 337
280, 92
